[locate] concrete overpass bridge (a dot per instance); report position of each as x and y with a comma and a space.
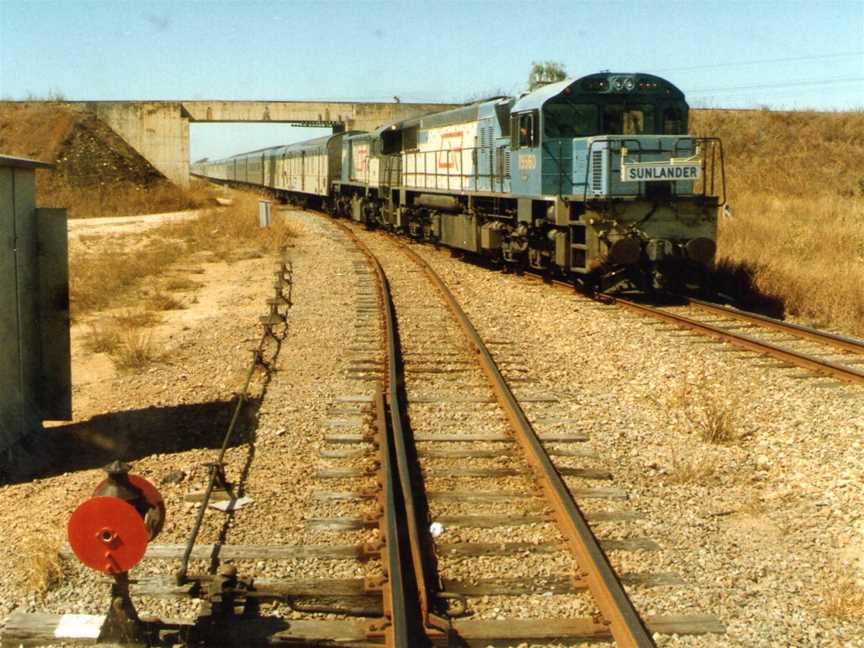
159, 130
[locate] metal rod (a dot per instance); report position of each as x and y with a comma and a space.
215, 468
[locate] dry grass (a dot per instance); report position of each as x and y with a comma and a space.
135, 350
104, 337
713, 419
112, 274
135, 318
700, 470
843, 599
104, 277
96, 199
705, 409
809, 252
124, 337
164, 301
41, 566
182, 284
233, 233
796, 188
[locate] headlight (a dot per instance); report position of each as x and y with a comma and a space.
629, 84
618, 84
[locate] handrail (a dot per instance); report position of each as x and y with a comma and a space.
435, 179
715, 144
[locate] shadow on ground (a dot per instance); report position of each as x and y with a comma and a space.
736, 281
132, 435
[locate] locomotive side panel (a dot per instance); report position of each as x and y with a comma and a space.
444, 159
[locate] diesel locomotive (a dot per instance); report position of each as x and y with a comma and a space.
594, 180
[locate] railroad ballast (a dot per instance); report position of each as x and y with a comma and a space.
594, 179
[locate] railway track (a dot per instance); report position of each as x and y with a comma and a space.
484, 573
455, 489
794, 345
464, 486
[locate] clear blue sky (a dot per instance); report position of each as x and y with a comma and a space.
782, 54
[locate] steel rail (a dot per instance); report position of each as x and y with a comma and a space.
812, 363
796, 358
627, 627
395, 604
394, 388
804, 332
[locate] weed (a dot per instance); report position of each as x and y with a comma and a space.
844, 600
692, 471
714, 419
705, 410
164, 301
104, 337
135, 349
42, 566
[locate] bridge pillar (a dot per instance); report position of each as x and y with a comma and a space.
158, 130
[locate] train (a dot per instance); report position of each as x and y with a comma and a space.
594, 180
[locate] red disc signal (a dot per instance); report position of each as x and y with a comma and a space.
107, 535
152, 496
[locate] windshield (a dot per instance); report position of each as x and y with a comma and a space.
564, 118
673, 122
628, 119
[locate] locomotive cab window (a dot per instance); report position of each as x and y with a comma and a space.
563, 118
673, 122
628, 119
525, 131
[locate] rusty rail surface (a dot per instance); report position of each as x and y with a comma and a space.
397, 430
804, 332
813, 363
396, 601
627, 628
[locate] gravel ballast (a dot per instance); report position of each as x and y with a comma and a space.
765, 528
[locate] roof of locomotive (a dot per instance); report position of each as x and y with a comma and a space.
468, 112
601, 83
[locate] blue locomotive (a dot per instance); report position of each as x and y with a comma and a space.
594, 179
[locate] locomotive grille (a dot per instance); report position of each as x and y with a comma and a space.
597, 171
486, 138
483, 157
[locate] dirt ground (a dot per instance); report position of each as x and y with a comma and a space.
166, 416
124, 225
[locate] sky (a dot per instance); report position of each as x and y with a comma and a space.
777, 54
